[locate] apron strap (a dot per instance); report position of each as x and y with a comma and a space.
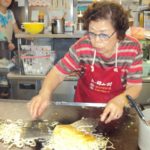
116, 56
93, 61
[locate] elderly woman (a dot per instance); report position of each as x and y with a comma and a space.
109, 62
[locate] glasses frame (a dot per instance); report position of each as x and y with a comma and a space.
100, 36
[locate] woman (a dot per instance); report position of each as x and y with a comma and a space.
110, 64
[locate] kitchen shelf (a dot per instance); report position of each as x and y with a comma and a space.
50, 35
85, 1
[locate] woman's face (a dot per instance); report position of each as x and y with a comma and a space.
102, 35
5, 3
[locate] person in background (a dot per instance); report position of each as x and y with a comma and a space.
7, 23
7, 27
109, 63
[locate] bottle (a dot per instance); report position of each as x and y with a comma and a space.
80, 21
41, 16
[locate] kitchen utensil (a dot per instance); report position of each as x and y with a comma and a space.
37, 129
33, 27
137, 108
58, 26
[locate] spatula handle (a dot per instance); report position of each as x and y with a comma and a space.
135, 106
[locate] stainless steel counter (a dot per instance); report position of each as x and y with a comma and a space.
26, 86
17, 75
50, 35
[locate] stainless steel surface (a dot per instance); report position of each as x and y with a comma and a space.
36, 129
50, 35
25, 87
17, 109
15, 75
58, 26
83, 105
123, 131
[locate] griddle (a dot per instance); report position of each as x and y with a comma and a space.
123, 132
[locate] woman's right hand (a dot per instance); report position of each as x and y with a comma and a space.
38, 105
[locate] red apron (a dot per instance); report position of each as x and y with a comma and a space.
99, 85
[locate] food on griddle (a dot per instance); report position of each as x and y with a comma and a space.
10, 134
67, 137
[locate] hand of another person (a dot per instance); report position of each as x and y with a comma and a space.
114, 109
11, 46
38, 105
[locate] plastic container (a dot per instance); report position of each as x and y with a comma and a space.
33, 27
37, 64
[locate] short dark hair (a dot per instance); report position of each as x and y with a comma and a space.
110, 11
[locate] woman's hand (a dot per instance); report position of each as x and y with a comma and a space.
114, 109
38, 105
11, 46
40, 102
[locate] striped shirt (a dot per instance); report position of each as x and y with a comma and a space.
129, 59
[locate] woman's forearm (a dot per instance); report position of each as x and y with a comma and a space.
133, 91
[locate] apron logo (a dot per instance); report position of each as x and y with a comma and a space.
100, 83
100, 86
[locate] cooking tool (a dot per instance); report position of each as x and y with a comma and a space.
137, 108
37, 129
58, 26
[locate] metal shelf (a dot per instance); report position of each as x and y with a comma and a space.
50, 35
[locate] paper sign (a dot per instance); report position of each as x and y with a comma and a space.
34, 15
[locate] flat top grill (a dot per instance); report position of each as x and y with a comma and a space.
123, 132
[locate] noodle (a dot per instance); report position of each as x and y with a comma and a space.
10, 134
65, 137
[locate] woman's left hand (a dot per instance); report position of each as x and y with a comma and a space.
114, 109
11, 46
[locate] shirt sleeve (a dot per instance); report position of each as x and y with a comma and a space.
135, 70
70, 62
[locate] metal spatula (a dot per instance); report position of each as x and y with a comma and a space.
137, 108
86, 124
37, 129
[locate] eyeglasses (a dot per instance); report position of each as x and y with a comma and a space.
102, 36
